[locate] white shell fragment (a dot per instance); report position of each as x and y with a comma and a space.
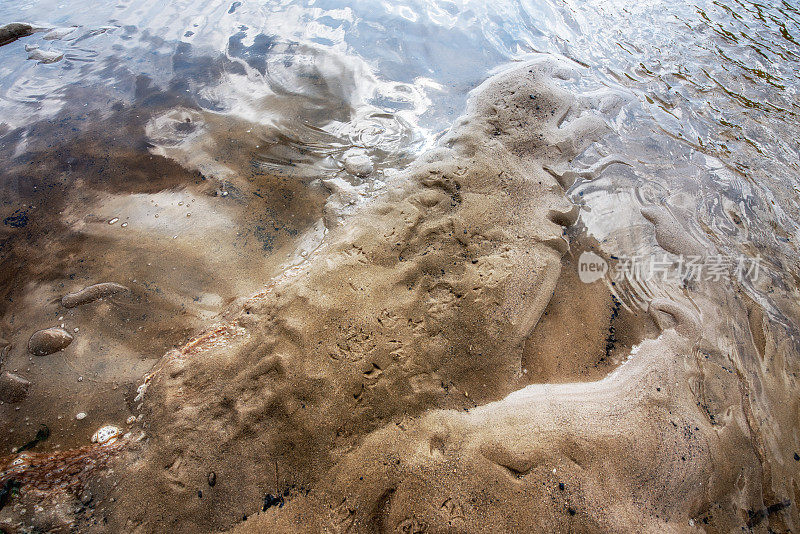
106, 434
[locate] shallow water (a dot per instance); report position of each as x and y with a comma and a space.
186, 151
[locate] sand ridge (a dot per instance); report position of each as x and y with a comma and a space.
379, 386
423, 299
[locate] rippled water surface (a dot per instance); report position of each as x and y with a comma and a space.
187, 149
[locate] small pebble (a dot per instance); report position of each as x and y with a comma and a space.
91, 293
357, 162
80, 416
48, 341
13, 388
105, 434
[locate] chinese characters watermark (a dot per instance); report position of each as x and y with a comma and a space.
685, 269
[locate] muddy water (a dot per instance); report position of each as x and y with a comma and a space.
189, 151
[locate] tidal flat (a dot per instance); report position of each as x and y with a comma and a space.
421, 267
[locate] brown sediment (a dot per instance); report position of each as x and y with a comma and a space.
380, 386
422, 299
628, 453
59, 198
668, 442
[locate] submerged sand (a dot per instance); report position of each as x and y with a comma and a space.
404, 378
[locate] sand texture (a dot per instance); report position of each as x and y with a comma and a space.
385, 385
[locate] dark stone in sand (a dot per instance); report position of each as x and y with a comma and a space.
13, 388
212, 478
48, 341
12, 32
270, 501
41, 435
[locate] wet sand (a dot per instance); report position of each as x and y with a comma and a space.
586, 330
86, 206
435, 366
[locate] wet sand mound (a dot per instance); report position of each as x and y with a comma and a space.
380, 385
422, 299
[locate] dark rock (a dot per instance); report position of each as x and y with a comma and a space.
270, 501
13, 388
12, 32
90, 293
48, 341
